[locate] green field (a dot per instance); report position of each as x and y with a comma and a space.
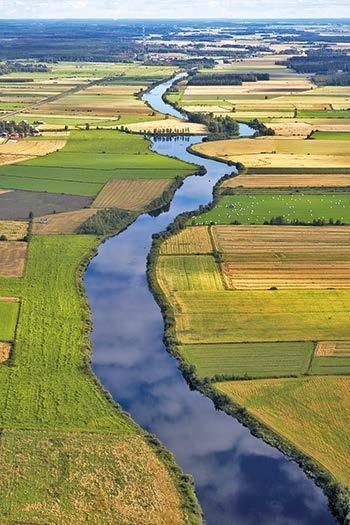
249, 359
331, 135
49, 388
258, 208
89, 159
331, 365
311, 113
8, 315
261, 315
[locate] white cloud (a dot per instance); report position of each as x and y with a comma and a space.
170, 9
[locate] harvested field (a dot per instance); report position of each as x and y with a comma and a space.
303, 128
261, 315
188, 241
12, 152
265, 257
13, 230
12, 258
190, 272
336, 348
312, 413
172, 124
18, 204
111, 478
9, 309
130, 194
249, 360
59, 223
284, 180
5, 349
279, 152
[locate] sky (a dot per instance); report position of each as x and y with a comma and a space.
234, 9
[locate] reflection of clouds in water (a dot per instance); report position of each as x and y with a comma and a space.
239, 478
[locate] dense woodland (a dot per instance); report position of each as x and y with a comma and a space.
320, 61
218, 127
20, 67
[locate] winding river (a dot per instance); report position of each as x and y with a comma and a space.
239, 479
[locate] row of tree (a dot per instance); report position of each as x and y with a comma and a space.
22, 67
226, 79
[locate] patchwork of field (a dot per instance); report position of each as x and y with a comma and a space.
106, 484
280, 152
13, 230
9, 309
285, 180
258, 208
129, 194
88, 160
312, 413
12, 258
61, 223
12, 152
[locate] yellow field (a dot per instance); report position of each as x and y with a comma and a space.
335, 348
13, 230
5, 349
11, 152
130, 194
189, 241
280, 152
66, 222
291, 180
172, 123
12, 258
312, 413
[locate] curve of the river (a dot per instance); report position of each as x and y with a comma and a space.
239, 479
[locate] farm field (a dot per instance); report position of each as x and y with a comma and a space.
130, 194
13, 152
312, 413
18, 204
61, 223
280, 152
188, 241
257, 208
5, 350
285, 180
172, 124
12, 258
97, 462
13, 230
9, 308
88, 160
249, 360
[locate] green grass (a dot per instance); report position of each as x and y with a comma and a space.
310, 113
331, 365
331, 135
249, 359
88, 161
262, 315
48, 386
257, 208
8, 316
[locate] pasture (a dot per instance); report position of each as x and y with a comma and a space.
130, 194
9, 308
312, 413
88, 160
12, 258
249, 360
257, 208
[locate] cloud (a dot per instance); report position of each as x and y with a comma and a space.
170, 9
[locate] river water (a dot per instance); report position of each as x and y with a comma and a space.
239, 479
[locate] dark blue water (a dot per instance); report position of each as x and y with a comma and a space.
239, 479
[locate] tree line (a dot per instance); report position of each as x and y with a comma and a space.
226, 79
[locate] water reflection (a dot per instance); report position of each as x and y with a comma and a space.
239, 479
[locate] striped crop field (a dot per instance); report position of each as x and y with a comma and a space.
188, 241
